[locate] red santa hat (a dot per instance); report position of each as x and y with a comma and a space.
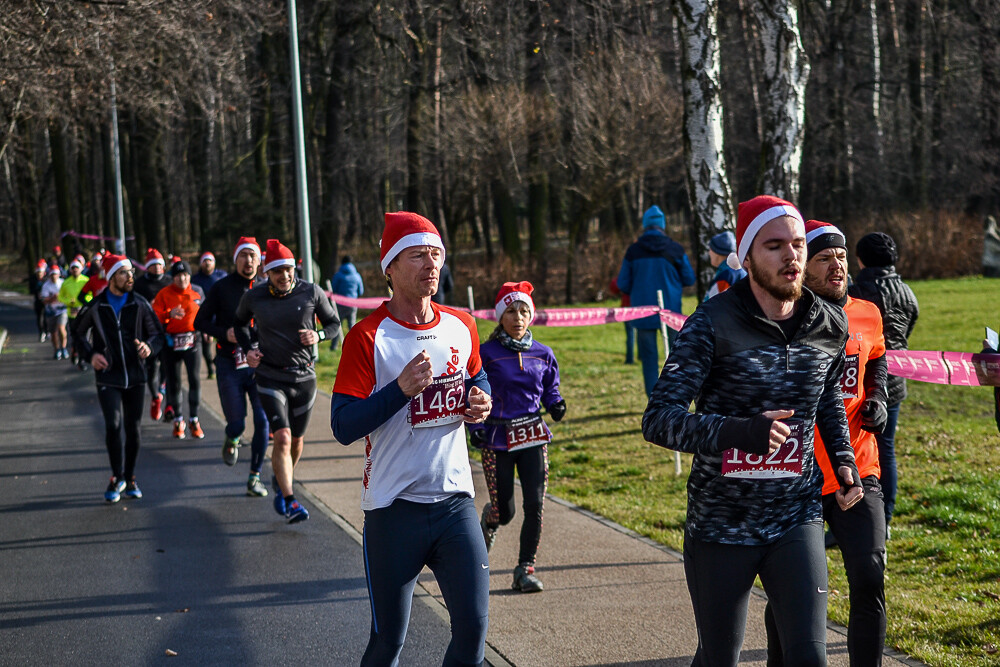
42, 265
278, 255
823, 235
406, 230
54, 268
78, 262
511, 292
244, 243
111, 263
206, 255
751, 218
153, 256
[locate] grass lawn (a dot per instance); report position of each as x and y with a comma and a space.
943, 577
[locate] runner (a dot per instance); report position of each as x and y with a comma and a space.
35, 282
206, 276
115, 332
176, 306
402, 384
148, 285
236, 378
763, 361
69, 295
285, 311
523, 374
55, 312
860, 531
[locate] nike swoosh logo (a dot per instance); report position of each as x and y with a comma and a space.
820, 590
485, 567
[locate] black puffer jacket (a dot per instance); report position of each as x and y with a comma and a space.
736, 364
114, 338
895, 300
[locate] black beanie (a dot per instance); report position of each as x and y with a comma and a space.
877, 249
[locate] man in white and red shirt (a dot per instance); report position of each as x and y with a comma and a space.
410, 376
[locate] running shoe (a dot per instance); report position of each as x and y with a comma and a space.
114, 492
132, 490
525, 579
256, 488
168, 414
296, 512
489, 534
179, 427
42, 337
279, 500
231, 453
196, 430
156, 408
57, 354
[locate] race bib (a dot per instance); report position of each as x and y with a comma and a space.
241, 359
786, 461
183, 341
441, 402
849, 382
525, 432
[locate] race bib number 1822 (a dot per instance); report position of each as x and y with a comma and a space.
786, 461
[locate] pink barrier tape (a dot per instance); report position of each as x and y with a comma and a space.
94, 237
673, 320
368, 303
963, 369
578, 317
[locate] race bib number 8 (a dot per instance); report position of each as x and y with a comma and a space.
525, 432
786, 461
849, 383
441, 402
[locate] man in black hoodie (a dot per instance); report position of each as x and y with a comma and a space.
879, 283
125, 334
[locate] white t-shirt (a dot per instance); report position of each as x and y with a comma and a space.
52, 289
419, 454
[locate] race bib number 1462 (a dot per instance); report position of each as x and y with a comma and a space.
441, 402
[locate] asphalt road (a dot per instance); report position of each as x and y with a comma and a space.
195, 567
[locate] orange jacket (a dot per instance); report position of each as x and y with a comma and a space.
864, 323
169, 298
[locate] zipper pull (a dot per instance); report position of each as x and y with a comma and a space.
520, 361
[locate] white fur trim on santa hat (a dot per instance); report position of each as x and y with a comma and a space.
155, 260
120, 264
206, 255
507, 299
243, 246
764, 217
824, 229
409, 241
281, 261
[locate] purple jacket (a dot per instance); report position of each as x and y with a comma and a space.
520, 382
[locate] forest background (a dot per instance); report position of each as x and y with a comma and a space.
533, 133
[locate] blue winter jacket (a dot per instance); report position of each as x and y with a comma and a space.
347, 281
655, 262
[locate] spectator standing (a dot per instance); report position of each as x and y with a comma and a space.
655, 262
115, 332
523, 375
176, 306
410, 374
763, 363
879, 283
347, 282
55, 312
445, 286
148, 285
236, 380
720, 247
206, 276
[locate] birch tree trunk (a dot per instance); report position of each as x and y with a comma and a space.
785, 71
876, 80
709, 195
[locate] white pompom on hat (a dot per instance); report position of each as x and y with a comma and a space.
751, 217
512, 292
405, 230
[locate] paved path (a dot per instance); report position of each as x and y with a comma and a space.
611, 597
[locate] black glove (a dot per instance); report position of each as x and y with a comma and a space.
854, 474
873, 416
478, 438
558, 410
